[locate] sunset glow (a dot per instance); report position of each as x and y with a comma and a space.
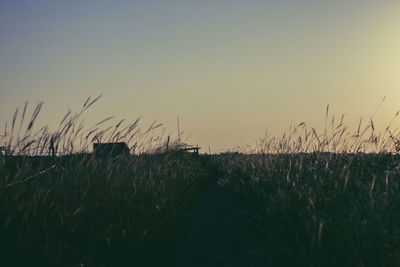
228, 69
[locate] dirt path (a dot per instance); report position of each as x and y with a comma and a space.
218, 233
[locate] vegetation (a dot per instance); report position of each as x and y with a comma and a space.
91, 211
321, 199
324, 199
61, 206
322, 209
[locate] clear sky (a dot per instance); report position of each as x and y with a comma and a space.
228, 69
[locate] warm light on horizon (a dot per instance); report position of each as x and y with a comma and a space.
228, 69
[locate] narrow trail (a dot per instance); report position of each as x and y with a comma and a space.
218, 233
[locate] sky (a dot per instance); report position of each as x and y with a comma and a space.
228, 69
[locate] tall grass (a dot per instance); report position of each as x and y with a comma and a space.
77, 210
321, 199
335, 137
72, 135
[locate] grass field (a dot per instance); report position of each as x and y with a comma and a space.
93, 211
322, 209
328, 199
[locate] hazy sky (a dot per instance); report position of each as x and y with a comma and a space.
229, 69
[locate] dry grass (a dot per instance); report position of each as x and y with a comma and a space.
328, 199
76, 210
324, 198
21, 137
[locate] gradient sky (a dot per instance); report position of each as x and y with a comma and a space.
229, 69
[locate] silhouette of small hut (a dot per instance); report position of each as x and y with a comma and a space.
110, 150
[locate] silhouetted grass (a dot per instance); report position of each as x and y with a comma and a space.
77, 210
94, 211
321, 199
